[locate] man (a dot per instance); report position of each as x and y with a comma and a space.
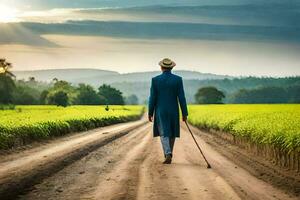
165, 93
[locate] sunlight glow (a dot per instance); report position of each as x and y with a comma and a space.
7, 14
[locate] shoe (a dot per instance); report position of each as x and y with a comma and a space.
169, 154
168, 159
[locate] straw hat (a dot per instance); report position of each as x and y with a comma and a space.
167, 63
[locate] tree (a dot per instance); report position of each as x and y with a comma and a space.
60, 98
31, 79
61, 86
209, 95
293, 92
5, 68
7, 87
111, 95
267, 95
25, 95
43, 97
88, 96
132, 100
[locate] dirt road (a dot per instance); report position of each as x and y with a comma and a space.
130, 168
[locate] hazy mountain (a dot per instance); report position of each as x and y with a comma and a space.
144, 77
63, 74
97, 77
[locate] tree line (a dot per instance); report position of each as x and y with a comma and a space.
228, 86
274, 94
59, 92
212, 95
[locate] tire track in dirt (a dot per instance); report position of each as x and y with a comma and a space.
20, 171
187, 177
183, 179
131, 168
122, 181
80, 178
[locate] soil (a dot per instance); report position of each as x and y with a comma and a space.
260, 167
130, 167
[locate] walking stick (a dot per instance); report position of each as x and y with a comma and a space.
208, 165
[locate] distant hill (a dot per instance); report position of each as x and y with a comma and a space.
97, 77
69, 75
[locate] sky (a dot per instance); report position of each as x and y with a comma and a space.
232, 37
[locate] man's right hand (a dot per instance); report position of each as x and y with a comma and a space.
150, 118
184, 118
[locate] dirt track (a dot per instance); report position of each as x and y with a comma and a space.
130, 168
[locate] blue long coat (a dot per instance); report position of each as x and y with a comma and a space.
165, 93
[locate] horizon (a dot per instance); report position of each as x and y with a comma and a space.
155, 71
235, 38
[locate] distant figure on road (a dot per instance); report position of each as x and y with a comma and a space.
165, 93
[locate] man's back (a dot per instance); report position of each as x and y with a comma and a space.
166, 91
167, 87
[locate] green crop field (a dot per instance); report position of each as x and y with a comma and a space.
276, 125
27, 123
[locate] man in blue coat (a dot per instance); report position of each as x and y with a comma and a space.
165, 93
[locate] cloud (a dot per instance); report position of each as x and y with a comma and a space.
42, 4
166, 30
250, 14
18, 34
248, 22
